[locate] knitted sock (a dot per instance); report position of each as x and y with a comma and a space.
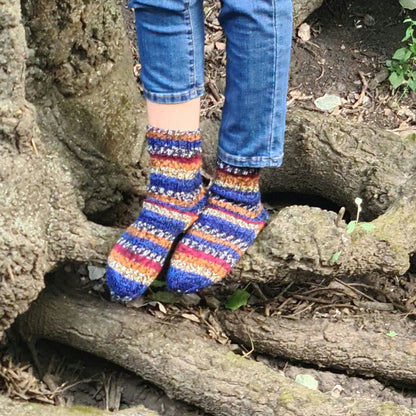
225, 229
175, 196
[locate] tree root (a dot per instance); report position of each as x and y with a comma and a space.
178, 357
16, 408
367, 351
303, 242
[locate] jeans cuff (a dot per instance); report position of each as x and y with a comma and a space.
250, 162
173, 98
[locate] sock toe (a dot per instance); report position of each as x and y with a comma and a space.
121, 288
185, 282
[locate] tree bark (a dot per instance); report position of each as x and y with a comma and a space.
178, 357
351, 346
15, 408
302, 242
303, 8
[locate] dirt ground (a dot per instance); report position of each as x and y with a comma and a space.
345, 56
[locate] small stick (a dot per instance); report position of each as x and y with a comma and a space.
10, 271
363, 90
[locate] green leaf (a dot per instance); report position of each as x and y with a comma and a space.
307, 380
409, 33
366, 226
334, 258
351, 227
408, 4
391, 334
158, 283
396, 80
412, 84
237, 299
402, 54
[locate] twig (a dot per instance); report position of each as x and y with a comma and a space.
363, 90
355, 290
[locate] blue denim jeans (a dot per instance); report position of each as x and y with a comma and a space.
170, 37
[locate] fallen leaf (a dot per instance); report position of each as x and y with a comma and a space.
408, 4
191, 317
304, 32
307, 380
328, 102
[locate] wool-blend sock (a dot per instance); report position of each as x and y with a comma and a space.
225, 229
175, 196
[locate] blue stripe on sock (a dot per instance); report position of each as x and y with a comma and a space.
121, 288
180, 281
240, 197
171, 225
175, 185
181, 144
224, 226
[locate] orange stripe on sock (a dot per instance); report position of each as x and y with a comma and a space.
165, 135
138, 267
235, 208
237, 181
197, 265
174, 164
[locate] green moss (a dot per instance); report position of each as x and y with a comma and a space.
286, 398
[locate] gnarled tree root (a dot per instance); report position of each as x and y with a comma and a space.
179, 358
366, 351
10, 407
302, 243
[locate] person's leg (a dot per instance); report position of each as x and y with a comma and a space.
170, 40
259, 35
181, 116
251, 136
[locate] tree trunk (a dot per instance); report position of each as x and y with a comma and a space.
178, 357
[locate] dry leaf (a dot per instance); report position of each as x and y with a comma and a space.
191, 317
304, 32
161, 307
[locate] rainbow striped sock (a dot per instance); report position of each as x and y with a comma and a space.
175, 196
225, 229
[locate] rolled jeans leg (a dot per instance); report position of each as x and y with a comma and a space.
170, 39
258, 51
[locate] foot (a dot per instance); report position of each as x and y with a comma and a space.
225, 229
175, 196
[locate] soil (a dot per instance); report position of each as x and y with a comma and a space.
345, 55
